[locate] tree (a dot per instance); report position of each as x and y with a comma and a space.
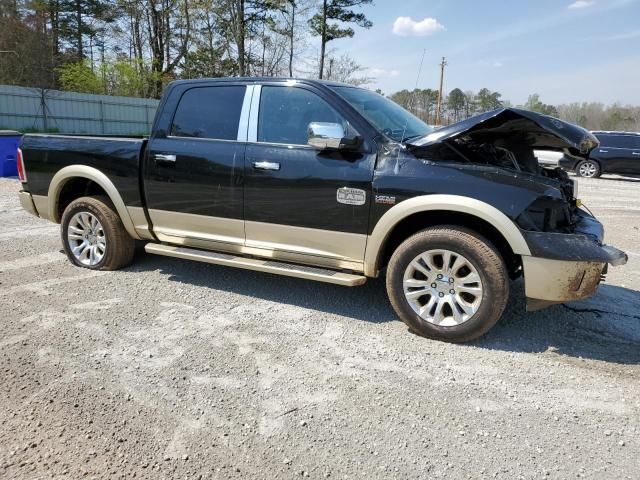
338, 10
456, 102
469, 103
488, 100
243, 20
535, 105
79, 77
346, 70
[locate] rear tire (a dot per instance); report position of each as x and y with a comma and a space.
93, 235
588, 169
448, 283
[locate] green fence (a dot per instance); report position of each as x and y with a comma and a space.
34, 109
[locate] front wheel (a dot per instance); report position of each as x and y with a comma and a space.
93, 235
448, 283
588, 169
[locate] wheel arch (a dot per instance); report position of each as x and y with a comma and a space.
417, 213
73, 173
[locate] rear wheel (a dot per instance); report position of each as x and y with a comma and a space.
93, 235
448, 283
588, 169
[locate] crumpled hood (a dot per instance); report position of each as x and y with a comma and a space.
536, 130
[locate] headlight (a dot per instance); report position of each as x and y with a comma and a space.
546, 214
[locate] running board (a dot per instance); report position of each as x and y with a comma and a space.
268, 266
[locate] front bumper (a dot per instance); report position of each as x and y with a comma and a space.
26, 201
566, 267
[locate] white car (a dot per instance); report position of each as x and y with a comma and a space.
548, 157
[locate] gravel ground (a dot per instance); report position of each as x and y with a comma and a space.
174, 369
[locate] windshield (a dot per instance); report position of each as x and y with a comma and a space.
385, 115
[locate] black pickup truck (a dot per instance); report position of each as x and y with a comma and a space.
329, 182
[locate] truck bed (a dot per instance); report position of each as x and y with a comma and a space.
117, 157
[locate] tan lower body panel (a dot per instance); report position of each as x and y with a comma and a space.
26, 202
140, 222
345, 249
42, 205
267, 266
170, 226
559, 280
323, 248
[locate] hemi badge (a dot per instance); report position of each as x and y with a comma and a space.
351, 196
385, 199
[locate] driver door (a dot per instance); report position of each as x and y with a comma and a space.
293, 207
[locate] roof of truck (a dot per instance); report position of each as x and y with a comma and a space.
328, 83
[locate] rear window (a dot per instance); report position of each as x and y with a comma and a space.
619, 141
209, 112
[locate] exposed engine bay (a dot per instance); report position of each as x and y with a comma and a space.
506, 139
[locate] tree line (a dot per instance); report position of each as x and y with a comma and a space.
459, 105
135, 47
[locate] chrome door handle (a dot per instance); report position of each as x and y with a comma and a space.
164, 158
266, 166
635, 153
604, 151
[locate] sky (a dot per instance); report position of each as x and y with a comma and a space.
564, 50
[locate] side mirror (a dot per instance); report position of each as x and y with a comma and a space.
331, 136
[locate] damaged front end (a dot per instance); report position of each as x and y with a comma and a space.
568, 258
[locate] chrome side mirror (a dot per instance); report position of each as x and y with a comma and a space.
325, 136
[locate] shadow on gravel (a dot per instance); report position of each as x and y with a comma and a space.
368, 302
604, 327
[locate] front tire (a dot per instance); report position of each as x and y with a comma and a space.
93, 235
588, 169
448, 283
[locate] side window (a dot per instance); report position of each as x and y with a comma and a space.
209, 112
605, 140
617, 141
626, 141
286, 112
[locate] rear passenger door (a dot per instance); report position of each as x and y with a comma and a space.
616, 153
292, 205
632, 164
194, 166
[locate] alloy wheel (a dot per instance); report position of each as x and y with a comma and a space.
443, 287
86, 238
587, 169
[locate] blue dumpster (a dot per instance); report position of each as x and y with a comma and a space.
9, 141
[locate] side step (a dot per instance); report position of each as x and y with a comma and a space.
268, 266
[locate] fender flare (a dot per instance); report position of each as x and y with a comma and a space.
70, 172
454, 203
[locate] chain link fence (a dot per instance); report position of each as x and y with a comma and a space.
35, 109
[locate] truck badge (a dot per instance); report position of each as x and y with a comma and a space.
351, 196
385, 199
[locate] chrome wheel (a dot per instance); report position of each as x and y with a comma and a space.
443, 287
86, 238
587, 169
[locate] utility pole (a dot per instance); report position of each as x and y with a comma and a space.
438, 109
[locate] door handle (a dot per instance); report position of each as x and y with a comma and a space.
604, 151
635, 153
161, 157
266, 166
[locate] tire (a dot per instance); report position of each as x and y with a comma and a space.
588, 169
104, 245
477, 312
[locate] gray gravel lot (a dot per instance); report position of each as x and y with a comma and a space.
173, 369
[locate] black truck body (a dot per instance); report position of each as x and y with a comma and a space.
325, 181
